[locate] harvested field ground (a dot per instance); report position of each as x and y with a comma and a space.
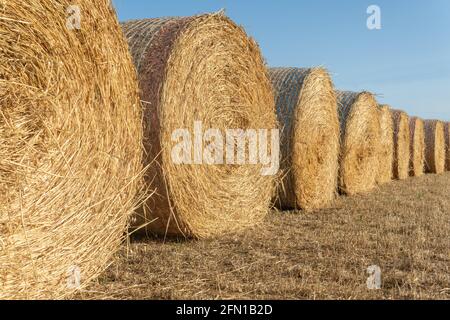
403, 228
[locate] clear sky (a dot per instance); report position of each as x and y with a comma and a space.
406, 63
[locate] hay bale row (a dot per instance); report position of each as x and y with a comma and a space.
447, 140
360, 142
307, 112
417, 147
401, 144
434, 147
386, 154
70, 137
71, 155
203, 68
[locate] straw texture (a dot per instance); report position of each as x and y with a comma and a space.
360, 141
401, 144
307, 111
417, 147
447, 142
70, 137
386, 155
434, 146
206, 69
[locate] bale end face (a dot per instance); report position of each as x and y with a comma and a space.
386, 155
360, 142
401, 144
70, 137
434, 146
307, 110
417, 153
201, 69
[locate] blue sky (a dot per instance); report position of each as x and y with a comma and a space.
406, 63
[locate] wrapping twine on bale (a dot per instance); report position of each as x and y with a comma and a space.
360, 141
202, 68
401, 144
417, 147
386, 155
307, 111
70, 136
434, 146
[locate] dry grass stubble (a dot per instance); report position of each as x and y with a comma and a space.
403, 228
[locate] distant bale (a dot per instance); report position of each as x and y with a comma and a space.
417, 147
401, 144
386, 155
434, 147
447, 140
70, 145
307, 111
202, 69
360, 142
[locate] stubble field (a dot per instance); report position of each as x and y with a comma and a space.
403, 228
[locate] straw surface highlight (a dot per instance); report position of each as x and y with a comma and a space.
200, 69
307, 111
70, 145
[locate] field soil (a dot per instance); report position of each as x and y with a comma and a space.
403, 228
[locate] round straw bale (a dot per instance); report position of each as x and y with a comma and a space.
417, 147
386, 155
360, 141
200, 69
307, 111
70, 145
401, 144
447, 142
434, 146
